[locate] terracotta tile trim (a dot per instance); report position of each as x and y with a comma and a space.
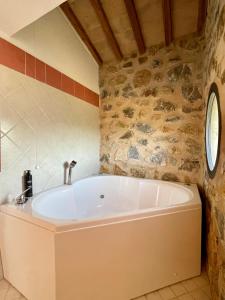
21, 61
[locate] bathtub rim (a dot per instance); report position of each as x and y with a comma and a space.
26, 213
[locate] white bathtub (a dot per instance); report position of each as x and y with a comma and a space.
104, 237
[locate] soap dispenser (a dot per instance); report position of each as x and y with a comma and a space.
28, 184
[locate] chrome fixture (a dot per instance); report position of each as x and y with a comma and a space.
71, 166
21, 199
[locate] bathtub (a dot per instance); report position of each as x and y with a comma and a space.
102, 238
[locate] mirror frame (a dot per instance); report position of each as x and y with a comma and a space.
213, 89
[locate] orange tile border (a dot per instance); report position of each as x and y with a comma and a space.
67, 85
78, 90
40, 70
21, 61
12, 56
30, 65
90, 97
53, 77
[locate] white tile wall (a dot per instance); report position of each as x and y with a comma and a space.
41, 128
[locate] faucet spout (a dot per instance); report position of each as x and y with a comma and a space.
21, 199
71, 166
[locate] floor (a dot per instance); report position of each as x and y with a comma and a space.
8, 292
193, 289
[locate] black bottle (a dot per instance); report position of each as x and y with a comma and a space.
28, 184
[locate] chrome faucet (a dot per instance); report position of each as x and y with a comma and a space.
71, 166
21, 199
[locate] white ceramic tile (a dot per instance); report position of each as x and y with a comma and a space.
185, 297
178, 289
19, 102
2, 294
7, 292
43, 127
4, 285
201, 281
206, 290
22, 136
9, 81
153, 296
12, 294
166, 293
199, 295
190, 285
9, 118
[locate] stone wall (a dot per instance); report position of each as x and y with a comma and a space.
215, 188
153, 119
152, 113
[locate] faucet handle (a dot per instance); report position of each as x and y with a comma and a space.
72, 164
21, 199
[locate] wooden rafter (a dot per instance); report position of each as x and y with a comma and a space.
202, 13
80, 30
96, 4
168, 21
135, 24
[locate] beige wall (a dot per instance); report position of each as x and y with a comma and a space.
152, 113
52, 40
215, 188
11, 21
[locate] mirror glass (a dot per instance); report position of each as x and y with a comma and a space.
212, 130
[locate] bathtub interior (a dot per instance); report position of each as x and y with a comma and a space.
103, 196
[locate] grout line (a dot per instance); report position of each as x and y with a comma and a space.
188, 293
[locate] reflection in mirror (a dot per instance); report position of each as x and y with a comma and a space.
212, 137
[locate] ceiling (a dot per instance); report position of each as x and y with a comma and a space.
118, 28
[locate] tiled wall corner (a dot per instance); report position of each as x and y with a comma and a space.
41, 128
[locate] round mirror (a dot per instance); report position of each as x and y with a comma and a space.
213, 130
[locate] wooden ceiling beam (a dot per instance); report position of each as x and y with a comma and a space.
135, 24
168, 21
202, 13
96, 4
80, 30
